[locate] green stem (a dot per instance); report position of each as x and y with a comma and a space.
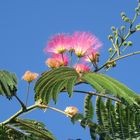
28, 90
118, 58
130, 32
124, 56
22, 104
21, 111
55, 109
98, 94
71, 58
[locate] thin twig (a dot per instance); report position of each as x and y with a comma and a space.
21, 111
28, 90
55, 109
116, 59
21, 103
98, 94
124, 56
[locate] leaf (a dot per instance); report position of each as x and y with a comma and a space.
105, 84
116, 121
78, 117
8, 84
32, 128
88, 107
52, 82
9, 133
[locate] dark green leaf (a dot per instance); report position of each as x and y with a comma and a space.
52, 82
32, 128
105, 84
77, 117
88, 107
8, 84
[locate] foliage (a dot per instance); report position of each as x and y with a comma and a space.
115, 114
8, 84
20, 129
52, 82
107, 85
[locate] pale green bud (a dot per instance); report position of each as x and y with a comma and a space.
114, 64
110, 37
125, 43
113, 28
129, 43
123, 27
123, 14
110, 50
138, 27
126, 19
137, 10
115, 33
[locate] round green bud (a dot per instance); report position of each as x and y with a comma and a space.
137, 9
123, 14
129, 43
125, 43
110, 37
138, 27
110, 50
123, 27
114, 64
126, 19
115, 33
113, 28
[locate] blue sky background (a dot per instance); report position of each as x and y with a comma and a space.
26, 25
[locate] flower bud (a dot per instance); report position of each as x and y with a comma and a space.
129, 43
126, 19
29, 76
52, 63
123, 27
110, 50
110, 37
71, 110
137, 10
138, 27
114, 64
125, 43
113, 28
115, 33
123, 14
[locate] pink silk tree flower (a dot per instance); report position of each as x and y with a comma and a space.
58, 44
83, 41
93, 54
81, 68
57, 60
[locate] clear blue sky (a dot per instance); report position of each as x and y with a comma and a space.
25, 26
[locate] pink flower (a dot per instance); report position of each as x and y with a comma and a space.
81, 68
92, 55
57, 60
83, 41
58, 44
29, 76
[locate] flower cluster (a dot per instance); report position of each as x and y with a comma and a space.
71, 110
84, 45
29, 76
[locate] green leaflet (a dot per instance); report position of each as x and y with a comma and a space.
88, 107
32, 128
116, 121
8, 84
10, 133
108, 85
52, 82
